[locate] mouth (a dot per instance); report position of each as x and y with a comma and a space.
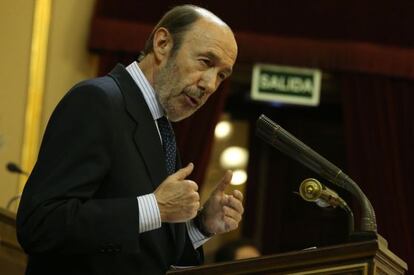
192, 101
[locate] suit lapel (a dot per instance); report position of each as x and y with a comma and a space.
146, 137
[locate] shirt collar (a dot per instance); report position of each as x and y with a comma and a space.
146, 89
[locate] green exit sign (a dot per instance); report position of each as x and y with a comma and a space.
282, 84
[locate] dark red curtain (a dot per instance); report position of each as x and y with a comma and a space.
277, 218
372, 141
379, 127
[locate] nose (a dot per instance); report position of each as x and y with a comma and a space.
208, 81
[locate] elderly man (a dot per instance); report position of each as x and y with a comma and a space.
107, 195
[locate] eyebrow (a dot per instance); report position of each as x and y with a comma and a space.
214, 57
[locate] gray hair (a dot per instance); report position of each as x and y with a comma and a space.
177, 21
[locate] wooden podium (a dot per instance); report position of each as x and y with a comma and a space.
369, 257
12, 258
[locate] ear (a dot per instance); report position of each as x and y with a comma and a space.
162, 44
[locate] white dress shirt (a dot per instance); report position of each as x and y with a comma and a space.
149, 213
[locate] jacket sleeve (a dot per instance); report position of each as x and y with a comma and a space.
191, 256
58, 211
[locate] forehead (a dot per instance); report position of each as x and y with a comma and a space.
213, 38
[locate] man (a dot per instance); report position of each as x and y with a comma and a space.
107, 195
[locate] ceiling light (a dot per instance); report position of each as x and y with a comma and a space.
223, 129
239, 177
234, 157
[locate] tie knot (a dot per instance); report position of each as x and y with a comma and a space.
165, 129
163, 122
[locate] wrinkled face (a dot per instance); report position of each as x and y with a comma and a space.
196, 70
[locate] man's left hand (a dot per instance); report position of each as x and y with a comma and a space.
222, 212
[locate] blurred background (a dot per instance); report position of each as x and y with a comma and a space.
363, 122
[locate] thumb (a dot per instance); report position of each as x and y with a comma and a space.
224, 182
184, 172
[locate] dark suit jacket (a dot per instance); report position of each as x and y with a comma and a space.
79, 211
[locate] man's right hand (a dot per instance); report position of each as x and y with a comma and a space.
177, 197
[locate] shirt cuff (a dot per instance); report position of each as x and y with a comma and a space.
196, 237
149, 213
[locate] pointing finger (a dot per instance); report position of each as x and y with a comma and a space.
225, 181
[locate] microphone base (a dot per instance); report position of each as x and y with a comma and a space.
367, 236
364, 236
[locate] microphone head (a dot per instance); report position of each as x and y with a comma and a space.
310, 189
266, 128
314, 191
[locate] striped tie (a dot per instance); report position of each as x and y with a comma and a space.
168, 143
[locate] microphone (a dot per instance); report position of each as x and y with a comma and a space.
313, 191
14, 168
282, 140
